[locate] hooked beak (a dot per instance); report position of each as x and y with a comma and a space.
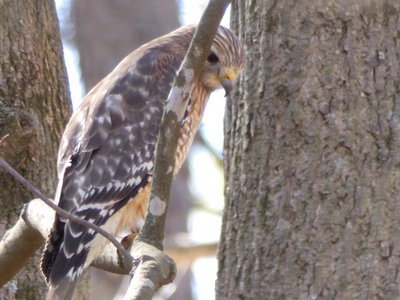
227, 86
228, 76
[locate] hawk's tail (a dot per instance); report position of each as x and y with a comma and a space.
52, 248
63, 291
65, 288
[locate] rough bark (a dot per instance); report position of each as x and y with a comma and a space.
34, 106
311, 153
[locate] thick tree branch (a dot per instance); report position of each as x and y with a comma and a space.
20, 232
16, 247
62, 212
156, 270
34, 224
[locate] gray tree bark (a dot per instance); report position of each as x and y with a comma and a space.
34, 107
312, 153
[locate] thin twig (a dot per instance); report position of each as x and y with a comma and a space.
3, 138
127, 257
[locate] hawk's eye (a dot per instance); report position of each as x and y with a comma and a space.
212, 58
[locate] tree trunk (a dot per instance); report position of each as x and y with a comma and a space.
107, 31
34, 107
312, 153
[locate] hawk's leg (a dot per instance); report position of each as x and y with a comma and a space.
128, 240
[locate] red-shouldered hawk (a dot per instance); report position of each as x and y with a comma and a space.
106, 155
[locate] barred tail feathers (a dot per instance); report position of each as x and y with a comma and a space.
62, 262
52, 248
63, 291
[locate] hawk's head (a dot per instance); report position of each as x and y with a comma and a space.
225, 61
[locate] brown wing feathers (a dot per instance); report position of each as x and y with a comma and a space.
107, 150
113, 158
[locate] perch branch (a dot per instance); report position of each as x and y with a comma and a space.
152, 232
34, 224
20, 231
153, 229
16, 247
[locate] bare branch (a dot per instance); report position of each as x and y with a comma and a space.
155, 270
153, 229
187, 254
127, 258
182, 253
34, 224
16, 247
